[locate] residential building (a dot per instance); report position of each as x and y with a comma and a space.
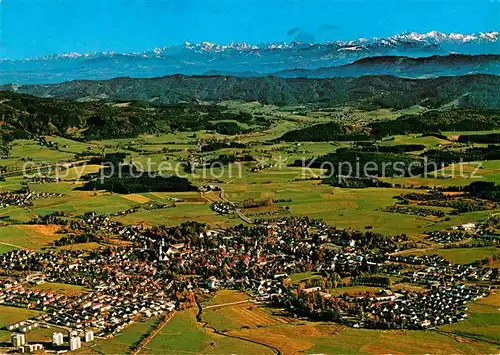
89, 336
75, 343
18, 340
57, 339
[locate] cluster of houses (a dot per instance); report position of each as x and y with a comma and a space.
415, 310
23, 199
443, 237
43, 179
138, 279
23, 326
462, 232
108, 308
415, 211
222, 208
148, 207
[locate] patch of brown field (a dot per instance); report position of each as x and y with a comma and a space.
227, 296
337, 194
266, 195
85, 194
211, 196
387, 338
136, 198
194, 200
38, 235
408, 287
491, 300
47, 230
280, 316
284, 343
63, 289
399, 332
76, 171
460, 339
119, 242
309, 331
161, 195
453, 193
237, 188
453, 138
329, 329
348, 204
81, 246
251, 316
379, 350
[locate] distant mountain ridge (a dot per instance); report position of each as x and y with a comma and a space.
239, 58
406, 67
469, 91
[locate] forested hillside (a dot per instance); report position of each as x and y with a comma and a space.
25, 116
479, 91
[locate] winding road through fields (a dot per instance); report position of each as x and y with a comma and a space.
236, 209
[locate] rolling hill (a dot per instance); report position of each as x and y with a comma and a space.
478, 91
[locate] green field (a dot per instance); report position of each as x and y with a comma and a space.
121, 343
10, 315
60, 288
183, 335
483, 322
463, 255
28, 236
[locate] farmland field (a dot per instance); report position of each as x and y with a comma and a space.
262, 183
242, 316
293, 336
13, 314
463, 255
29, 236
126, 339
331, 339
59, 288
483, 322
184, 335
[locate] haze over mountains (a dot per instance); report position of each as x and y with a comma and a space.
406, 67
319, 60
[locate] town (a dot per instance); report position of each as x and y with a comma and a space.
160, 269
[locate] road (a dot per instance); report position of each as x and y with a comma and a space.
11, 245
411, 251
154, 333
238, 212
235, 207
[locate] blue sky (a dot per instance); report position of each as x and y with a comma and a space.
39, 27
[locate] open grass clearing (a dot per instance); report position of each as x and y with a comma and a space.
29, 236
462, 255
183, 335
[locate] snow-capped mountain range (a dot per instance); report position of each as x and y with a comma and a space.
239, 58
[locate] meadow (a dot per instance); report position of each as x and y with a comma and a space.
183, 335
